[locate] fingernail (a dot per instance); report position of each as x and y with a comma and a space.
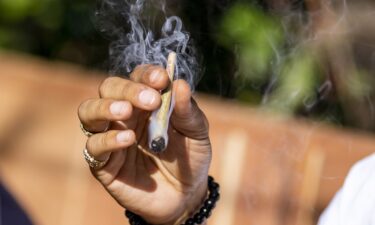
147, 97
123, 136
154, 76
118, 108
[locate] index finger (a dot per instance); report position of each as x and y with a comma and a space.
151, 75
139, 95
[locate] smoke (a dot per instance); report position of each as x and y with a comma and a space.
132, 27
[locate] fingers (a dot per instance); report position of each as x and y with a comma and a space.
187, 118
153, 76
96, 113
140, 90
102, 144
139, 95
119, 95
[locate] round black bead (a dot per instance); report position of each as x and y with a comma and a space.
208, 214
210, 179
214, 196
189, 222
129, 214
213, 192
211, 207
208, 203
198, 218
214, 186
204, 211
134, 219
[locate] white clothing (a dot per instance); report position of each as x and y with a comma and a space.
354, 204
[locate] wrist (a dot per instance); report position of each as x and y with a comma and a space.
192, 203
197, 215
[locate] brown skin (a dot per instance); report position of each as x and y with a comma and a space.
162, 188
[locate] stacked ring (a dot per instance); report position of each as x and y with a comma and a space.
85, 132
93, 163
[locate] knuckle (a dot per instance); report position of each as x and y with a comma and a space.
102, 87
140, 67
83, 108
138, 72
134, 74
90, 144
104, 140
154, 68
158, 68
127, 89
102, 107
105, 86
201, 121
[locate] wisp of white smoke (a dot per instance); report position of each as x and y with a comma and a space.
134, 42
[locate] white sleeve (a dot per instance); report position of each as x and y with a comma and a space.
354, 204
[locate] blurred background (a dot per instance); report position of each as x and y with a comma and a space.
287, 85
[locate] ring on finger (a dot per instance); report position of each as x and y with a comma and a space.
88, 133
94, 163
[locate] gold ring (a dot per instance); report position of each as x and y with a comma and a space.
93, 163
85, 132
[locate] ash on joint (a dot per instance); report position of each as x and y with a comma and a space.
158, 145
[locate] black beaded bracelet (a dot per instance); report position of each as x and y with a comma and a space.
202, 214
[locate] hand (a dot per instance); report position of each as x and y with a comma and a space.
162, 188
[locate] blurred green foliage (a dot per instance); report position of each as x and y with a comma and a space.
296, 84
257, 37
15, 10
55, 29
248, 51
295, 78
258, 40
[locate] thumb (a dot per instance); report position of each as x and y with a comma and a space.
187, 118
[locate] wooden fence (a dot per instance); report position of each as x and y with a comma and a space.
273, 170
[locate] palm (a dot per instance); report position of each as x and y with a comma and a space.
150, 184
